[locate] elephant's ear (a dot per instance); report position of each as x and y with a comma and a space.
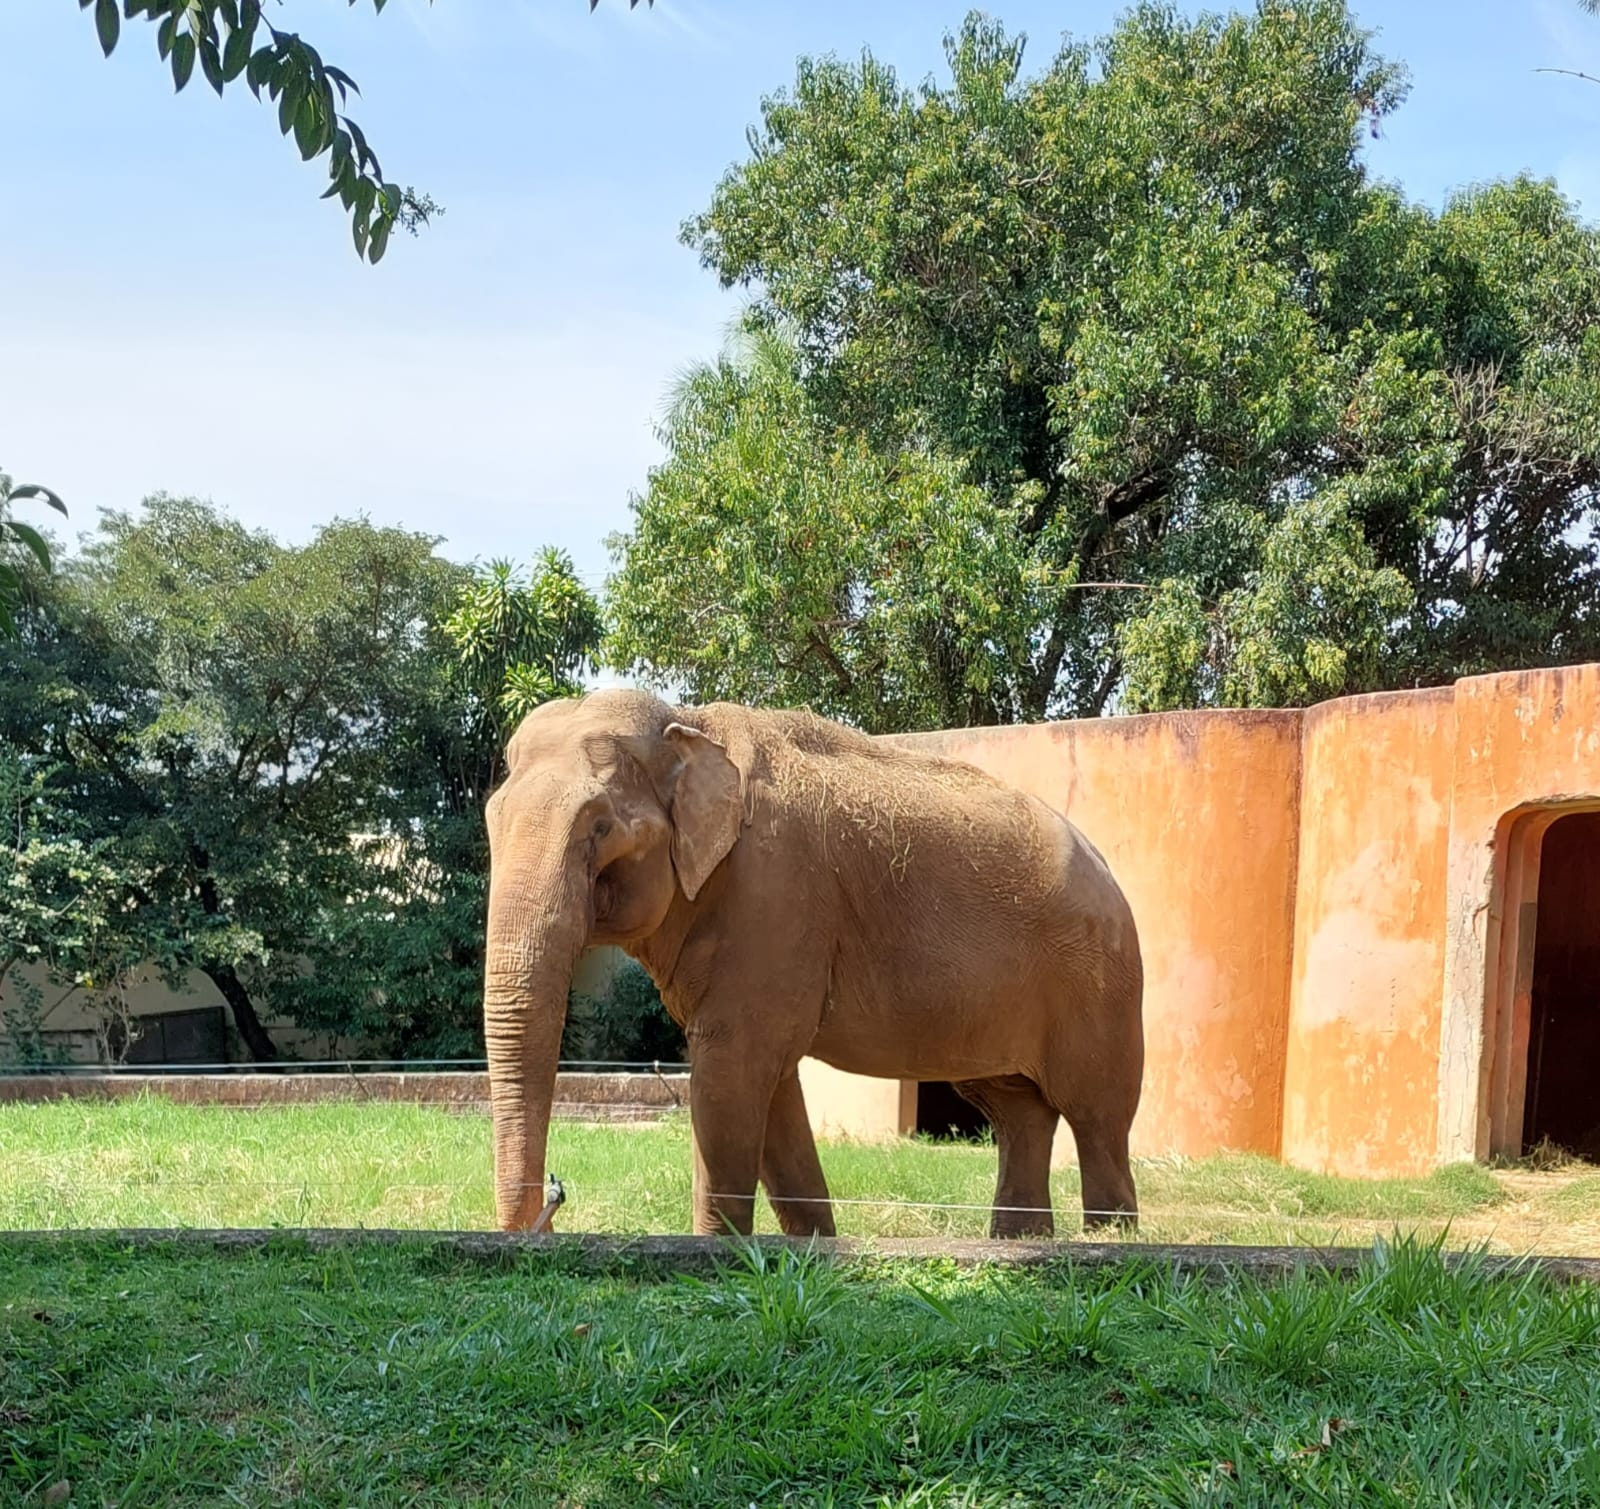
707, 805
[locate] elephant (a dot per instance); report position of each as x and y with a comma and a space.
797, 888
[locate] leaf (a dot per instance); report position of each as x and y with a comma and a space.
345, 83
236, 54
934, 1305
364, 153
211, 64
307, 128
289, 102
33, 490
340, 147
380, 241
183, 51
32, 539
107, 23
260, 69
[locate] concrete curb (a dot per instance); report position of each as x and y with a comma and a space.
688, 1254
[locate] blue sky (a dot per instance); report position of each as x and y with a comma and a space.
182, 313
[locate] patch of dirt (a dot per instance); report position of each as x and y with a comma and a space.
1531, 1220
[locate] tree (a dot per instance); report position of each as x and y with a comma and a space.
268, 763
779, 560
1213, 417
217, 709
230, 40
519, 642
399, 961
68, 902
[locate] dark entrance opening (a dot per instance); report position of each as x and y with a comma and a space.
1563, 1097
173, 1038
944, 1114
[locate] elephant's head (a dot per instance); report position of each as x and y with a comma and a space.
613, 807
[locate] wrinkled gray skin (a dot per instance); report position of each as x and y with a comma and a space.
795, 888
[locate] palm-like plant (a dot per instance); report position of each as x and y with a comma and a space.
17, 540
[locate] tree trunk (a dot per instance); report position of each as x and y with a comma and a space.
226, 979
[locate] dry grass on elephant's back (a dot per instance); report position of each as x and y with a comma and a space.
945, 831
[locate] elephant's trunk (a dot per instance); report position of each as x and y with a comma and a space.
537, 929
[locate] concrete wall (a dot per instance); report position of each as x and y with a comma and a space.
1361, 1078
1527, 747
1337, 910
1197, 815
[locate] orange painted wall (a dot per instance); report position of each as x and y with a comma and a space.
1197, 815
1334, 909
1526, 743
1361, 1079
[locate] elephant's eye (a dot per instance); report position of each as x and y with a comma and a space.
602, 826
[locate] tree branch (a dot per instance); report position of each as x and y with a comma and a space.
1571, 73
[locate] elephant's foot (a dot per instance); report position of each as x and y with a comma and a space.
1112, 1223
1010, 1224
804, 1218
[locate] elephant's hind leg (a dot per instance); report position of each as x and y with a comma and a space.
1108, 1193
1100, 1126
1024, 1128
790, 1169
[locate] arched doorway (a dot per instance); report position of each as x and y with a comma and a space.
1562, 1101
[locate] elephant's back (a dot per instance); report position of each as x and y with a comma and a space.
945, 846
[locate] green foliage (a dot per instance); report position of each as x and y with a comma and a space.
262, 762
625, 1024
70, 901
784, 1297
781, 1379
520, 642
22, 547
1120, 385
232, 40
775, 560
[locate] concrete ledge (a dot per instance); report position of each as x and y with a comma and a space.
579, 1097
686, 1254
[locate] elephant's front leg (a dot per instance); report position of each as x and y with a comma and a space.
731, 1085
790, 1168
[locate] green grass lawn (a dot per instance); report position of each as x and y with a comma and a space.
148, 1162
409, 1377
